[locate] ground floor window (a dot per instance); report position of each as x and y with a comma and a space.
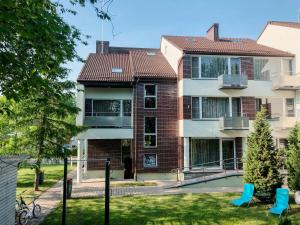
205, 151
150, 160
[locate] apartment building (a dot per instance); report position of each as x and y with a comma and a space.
189, 105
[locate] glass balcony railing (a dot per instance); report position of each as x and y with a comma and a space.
233, 81
108, 121
234, 123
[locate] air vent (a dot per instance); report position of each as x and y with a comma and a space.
116, 70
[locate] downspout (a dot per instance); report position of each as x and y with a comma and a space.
135, 129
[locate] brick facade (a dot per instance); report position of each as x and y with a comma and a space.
184, 108
247, 67
167, 127
185, 67
248, 106
102, 149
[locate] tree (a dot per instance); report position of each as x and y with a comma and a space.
262, 160
293, 158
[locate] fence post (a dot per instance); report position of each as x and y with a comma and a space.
63, 219
107, 190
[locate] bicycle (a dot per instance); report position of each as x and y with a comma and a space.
25, 212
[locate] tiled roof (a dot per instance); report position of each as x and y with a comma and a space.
151, 64
98, 67
134, 62
225, 46
285, 24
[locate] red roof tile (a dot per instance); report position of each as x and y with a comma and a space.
98, 67
225, 46
151, 63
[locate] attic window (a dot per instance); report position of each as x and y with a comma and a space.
116, 70
151, 53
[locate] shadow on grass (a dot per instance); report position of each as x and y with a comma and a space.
184, 209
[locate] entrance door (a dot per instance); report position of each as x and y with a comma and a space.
228, 154
127, 159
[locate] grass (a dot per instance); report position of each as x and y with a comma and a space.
133, 184
183, 209
25, 179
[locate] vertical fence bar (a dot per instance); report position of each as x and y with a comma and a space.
64, 210
107, 190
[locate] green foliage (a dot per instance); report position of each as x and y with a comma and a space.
293, 158
262, 160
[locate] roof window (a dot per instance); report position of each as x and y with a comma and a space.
117, 70
151, 53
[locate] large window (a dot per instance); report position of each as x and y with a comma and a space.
95, 107
261, 69
205, 152
150, 135
235, 65
209, 107
150, 94
290, 107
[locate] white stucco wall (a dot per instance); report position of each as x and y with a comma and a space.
171, 53
283, 38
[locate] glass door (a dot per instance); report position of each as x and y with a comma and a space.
228, 154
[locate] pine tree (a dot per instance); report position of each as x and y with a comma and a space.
293, 158
262, 160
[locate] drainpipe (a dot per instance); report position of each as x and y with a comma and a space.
135, 129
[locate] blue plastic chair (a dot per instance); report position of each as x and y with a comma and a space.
247, 196
282, 201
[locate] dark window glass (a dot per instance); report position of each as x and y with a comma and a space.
150, 160
150, 132
195, 67
235, 66
127, 107
88, 107
195, 108
150, 102
150, 90
106, 108
212, 67
150, 96
150, 140
215, 107
205, 152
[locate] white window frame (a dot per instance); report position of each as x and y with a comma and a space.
294, 106
147, 134
156, 164
150, 96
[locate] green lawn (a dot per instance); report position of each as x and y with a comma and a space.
25, 180
185, 209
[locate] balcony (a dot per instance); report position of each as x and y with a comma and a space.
108, 121
234, 123
286, 82
283, 121
233, 81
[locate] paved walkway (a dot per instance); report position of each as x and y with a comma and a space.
95, 188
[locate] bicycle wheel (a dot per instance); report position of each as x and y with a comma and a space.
23, 217
37, 211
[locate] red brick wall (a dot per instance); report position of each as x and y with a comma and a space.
248, 105
102, 149
247, 67
184, 108
167, 126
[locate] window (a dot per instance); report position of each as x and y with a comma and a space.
88, 107
258, 104
126, 107
290, 107
195, 67
261, 69
235, 64
150, 96
150, 160
116, 70
150, 132
212, 66
209, 107
205, 152
287, 66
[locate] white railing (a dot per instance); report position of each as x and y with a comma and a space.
107, 121
286, 81
233, 81
234, 123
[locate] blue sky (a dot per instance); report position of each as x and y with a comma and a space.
140, 23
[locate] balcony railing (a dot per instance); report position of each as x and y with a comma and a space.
108, 121
233, 81
288, 81
234, 123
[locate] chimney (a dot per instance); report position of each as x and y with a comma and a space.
102, 46
213, 32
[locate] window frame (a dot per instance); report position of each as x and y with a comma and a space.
150, 96
149, 134
294, 108
156, 164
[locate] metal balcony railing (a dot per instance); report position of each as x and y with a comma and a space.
108, 121
233, 81
234, 123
